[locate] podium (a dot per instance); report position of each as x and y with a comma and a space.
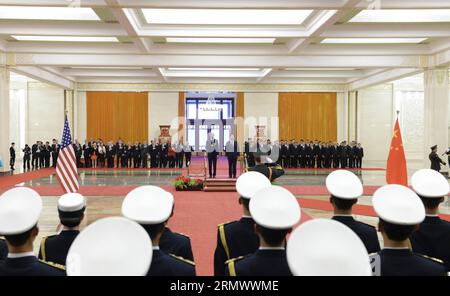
164, 134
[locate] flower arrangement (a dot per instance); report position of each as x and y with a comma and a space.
185, 183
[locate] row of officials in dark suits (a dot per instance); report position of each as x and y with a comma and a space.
39, 155
309, 154
415, 239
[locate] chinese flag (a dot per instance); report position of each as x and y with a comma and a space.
396, 172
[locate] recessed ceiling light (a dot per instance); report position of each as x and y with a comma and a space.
402, 16
110, 68
65, 38
372, 40
48, 13
214, 72
226, 16
319, 69
220, 40
213, 69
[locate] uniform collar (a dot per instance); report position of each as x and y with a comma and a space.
343, 215
155, 248
21, 255
247, 217
272, 248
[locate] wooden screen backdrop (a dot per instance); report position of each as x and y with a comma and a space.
309, 116
114, 115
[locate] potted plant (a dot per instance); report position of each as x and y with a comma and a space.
183, 183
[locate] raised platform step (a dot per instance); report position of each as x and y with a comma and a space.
219, 185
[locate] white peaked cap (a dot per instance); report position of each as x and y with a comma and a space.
113, 246
251, 182
430, 183
344, 184
323, 247
71, 202
275, 207
398, 204
20, 209
148, 205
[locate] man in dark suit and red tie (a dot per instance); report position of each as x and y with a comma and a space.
212, 150
232, 153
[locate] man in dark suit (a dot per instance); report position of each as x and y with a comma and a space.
119, 154
309, 154
343, 154
71, 209
144, 155
345, 189
87, 152
152, 207
12, 156
78, 153
435, 160
359, 155
152, 150
275, 211
400, 212
212, 150
238, 238
433, 236
18, 224
55, 152
232, 153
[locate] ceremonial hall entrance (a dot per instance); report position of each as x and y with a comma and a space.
206, 113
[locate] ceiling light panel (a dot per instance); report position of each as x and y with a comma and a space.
48, 13
220, 40
65, 38
401, 16
372, 40
226, 16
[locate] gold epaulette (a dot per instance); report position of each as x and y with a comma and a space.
231, 265
432, 258
56, 265
225, 223
183, 259
42, 252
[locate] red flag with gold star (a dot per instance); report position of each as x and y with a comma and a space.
396, 172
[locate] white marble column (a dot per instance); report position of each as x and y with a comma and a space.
4, 116
352, 117
436, 106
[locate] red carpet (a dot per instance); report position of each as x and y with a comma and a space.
7, 182
333, 169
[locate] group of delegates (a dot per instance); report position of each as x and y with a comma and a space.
39, 155
308, 154
415, 239
96, 153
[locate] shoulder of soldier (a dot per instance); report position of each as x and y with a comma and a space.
181, 259
234, 260
226, 224
429, 259
365, 225
181, 236
52, 265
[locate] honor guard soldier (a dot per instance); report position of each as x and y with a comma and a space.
271, 173
400, 211
433, 236
20, 209
275, 211
71, 207
3, 249
113, 246
435, 160
175, 243
345, 189
238, 238
151, 207
323, 247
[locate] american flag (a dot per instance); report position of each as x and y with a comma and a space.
66, 168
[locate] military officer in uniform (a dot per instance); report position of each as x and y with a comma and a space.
435, 160
20, 209
71, 207
275, 211
175, 243
312, 250
151, 207
400, 211
271, 173
113, 246
345, 189
212, 150
3, 249
238, 238
433, 236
